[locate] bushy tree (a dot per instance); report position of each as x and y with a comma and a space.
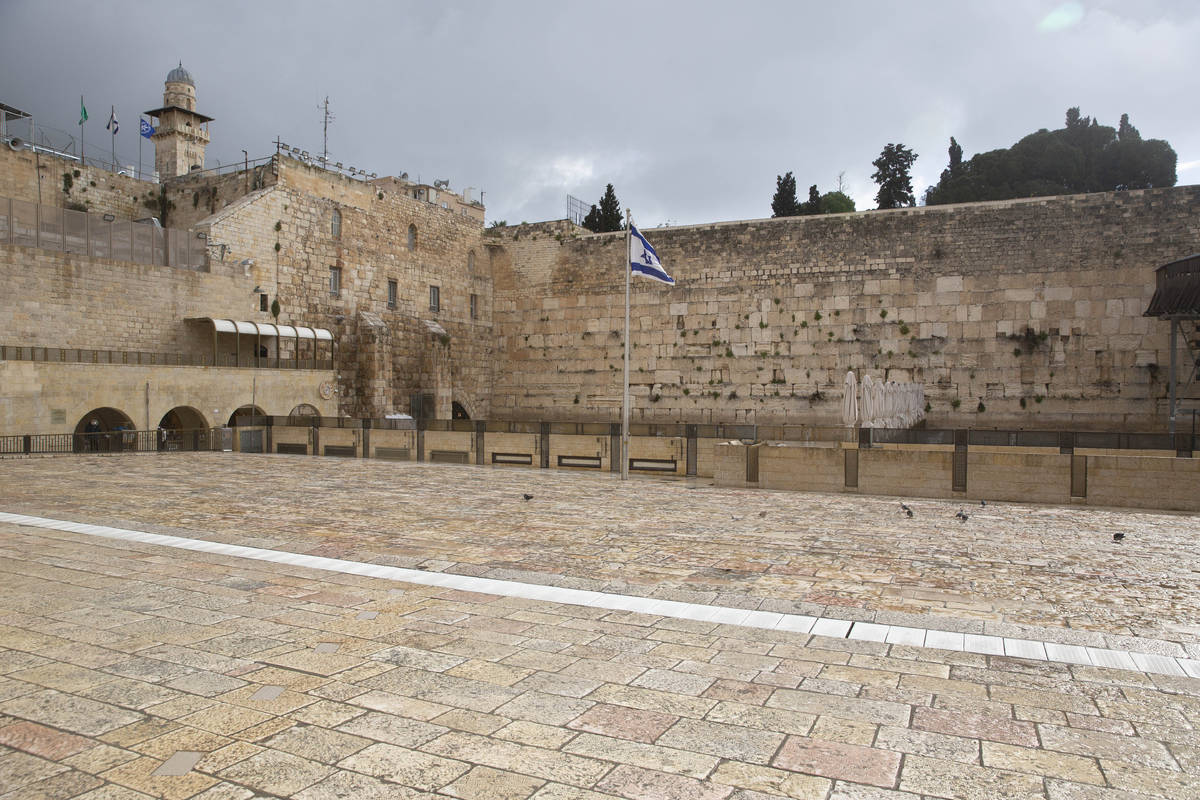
607, 216
836, 203
1082, 156
784, 203
892, 174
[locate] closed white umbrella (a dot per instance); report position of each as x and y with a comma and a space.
850, 400
868, 401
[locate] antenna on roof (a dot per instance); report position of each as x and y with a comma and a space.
327, 118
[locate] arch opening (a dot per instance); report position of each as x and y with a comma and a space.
242, 412
181, 429
98, 431
459, 411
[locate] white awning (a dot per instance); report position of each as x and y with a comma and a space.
265, 329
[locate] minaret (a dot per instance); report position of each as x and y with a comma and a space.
181, 134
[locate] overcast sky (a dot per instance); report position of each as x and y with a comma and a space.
691, 109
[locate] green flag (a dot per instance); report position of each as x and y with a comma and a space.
82, 111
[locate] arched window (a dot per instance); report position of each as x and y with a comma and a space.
335, 224
412, 237
471, 261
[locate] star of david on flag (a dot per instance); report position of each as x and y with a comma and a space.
147, 129
113, 125
643, 260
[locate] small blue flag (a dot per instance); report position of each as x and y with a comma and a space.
643, 260
147, 130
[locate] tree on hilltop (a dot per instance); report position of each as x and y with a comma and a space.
784, 203
892, 174
1082, 156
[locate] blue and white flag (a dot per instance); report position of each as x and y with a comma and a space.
147, 129
643, 260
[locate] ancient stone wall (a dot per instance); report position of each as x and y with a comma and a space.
56, 299
66, 183
287, 231
1023, 313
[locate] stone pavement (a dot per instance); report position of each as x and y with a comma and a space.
118, 659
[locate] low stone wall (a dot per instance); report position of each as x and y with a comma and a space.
1026, 475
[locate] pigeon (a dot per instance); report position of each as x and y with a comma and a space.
1118, 537
962, 515
983, 502
527, 496
907, 510
762, 513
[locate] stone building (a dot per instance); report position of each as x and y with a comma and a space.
296, 286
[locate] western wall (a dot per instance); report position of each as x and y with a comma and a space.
1014, 314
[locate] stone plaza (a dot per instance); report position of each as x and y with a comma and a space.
225, 625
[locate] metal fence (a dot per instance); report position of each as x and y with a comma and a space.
161, 440
98, 236
79, 355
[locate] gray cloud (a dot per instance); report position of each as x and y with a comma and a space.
690, 109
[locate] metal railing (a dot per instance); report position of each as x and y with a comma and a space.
69, 231
82, 355
161, 440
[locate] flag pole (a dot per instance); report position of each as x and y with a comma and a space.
625, 394
112, 116
82, 119
140, 137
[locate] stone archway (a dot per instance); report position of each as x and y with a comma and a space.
459, 411
244, 411
179, 429
94, 431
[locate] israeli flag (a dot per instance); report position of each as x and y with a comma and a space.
643, 260
146, 129
113, 125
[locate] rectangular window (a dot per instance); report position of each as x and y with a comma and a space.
335, 282
393, 290
474, 306
434, 301
262, 302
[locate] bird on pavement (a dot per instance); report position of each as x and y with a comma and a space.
527, 496
962, 515
1118, 537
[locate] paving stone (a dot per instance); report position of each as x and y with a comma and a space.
770, 781
649, 756
839, 761
316, 744
975, 726
412, 768
353, 786
623, 722
69, 712
39, 740
934, 776
138, 775
927, 743
535, 761
485, 783
721, 740
278, 773
635, 783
